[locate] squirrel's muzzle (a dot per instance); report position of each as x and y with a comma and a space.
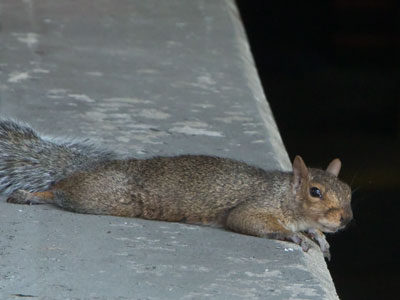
346, 217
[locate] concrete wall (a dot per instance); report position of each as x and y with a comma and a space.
143, 78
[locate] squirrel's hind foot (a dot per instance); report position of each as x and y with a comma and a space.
24, 197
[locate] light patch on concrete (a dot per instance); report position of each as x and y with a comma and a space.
116, 115
132, 100
196, 131
180, 24
299, 291
109, 107
142, 127
251, 132
122, 139
252, 125
194, 268
265, 274
16, 77
38, 70
30, 39
158, 270
204, 105
194, 128
126, 224
147, 72
57, 93
236, 113
149, 137
151, 113
96, 115
81, 97
171, 44
258, 142
135, 133
230, 119
259, 261
95, 74
234, 288
206, 80
192, 124
187, 226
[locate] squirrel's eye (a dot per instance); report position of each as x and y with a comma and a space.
315, 192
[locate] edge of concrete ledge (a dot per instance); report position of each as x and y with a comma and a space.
254, 84
314, 260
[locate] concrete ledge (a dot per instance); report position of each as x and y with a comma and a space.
144, 78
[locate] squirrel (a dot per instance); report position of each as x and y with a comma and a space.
196, 189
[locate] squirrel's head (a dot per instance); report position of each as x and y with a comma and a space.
325, 200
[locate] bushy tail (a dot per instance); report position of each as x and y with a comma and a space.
32, 163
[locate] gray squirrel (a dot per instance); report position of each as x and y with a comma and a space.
196, 189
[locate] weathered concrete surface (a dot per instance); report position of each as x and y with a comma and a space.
144, 78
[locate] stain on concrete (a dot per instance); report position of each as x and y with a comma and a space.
30, 39
81, 97
16, 77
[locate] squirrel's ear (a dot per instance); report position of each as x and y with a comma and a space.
334, 167
300, 171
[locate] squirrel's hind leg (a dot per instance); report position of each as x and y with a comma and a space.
25, 197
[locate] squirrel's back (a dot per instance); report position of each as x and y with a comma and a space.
190, 188
32, 162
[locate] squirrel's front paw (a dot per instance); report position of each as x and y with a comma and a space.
320, 238
324, 245
301, 241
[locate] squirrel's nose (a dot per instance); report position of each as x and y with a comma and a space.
346, 218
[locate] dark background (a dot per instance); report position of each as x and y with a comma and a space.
330, 70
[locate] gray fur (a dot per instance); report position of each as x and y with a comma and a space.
32, 162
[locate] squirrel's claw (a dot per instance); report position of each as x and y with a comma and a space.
320, 238
327, 254
298, 239
305, 246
